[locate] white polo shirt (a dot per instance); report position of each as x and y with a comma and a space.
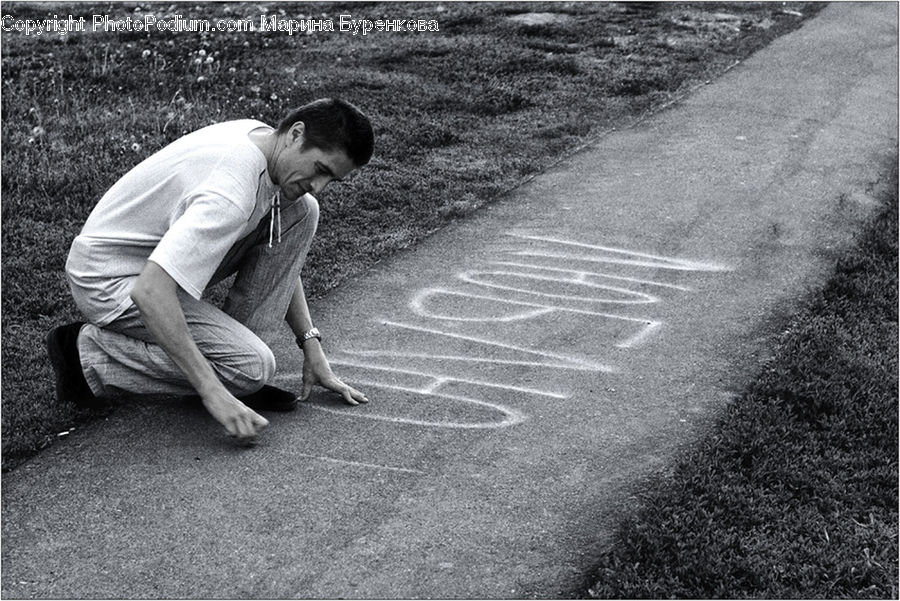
182, 208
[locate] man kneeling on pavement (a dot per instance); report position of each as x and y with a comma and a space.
231, 198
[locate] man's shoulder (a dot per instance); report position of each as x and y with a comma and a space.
216, 150
235, 128
225, 137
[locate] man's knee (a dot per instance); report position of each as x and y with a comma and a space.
252, 369
303, 219
312, 206
266, 365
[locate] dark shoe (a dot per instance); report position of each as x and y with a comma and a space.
270, 398
62, 346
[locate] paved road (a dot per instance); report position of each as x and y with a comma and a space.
526, 365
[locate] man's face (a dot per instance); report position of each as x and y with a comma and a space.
302, 170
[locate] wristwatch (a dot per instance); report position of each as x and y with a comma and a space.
311, 333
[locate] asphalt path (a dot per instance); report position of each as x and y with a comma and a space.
526, 366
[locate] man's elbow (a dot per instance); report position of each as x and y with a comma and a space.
141, 293
151, 287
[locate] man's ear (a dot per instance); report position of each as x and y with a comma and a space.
297, 130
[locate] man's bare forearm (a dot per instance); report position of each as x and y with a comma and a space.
155, 295
299, 318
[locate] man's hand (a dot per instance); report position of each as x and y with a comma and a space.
317, 372
239, 420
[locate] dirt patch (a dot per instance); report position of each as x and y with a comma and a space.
541, 18
724, 22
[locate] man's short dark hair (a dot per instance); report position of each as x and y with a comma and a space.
334, 124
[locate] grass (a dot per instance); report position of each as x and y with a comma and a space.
461, 116
793, 494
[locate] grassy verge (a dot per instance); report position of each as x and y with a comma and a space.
461, 116
794, 494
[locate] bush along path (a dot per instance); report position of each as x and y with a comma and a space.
794, 492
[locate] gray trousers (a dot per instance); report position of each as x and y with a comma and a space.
123, 355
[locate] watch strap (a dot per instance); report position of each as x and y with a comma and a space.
308, 335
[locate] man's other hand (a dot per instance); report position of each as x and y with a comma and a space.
239, 420
317, 372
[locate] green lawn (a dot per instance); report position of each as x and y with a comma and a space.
461, 116
793, 493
